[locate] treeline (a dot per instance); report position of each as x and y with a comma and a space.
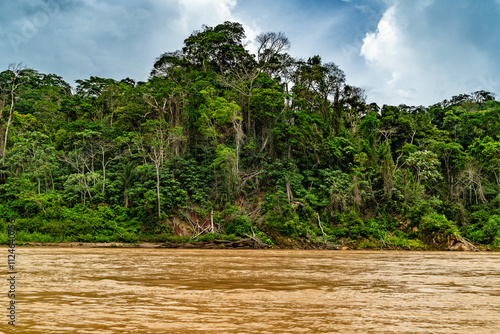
225, 142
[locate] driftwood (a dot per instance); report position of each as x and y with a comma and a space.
457, 243
254, 213
186, 216
257, 242
248, 243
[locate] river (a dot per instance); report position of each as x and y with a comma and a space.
110, 290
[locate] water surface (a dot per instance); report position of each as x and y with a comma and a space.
81, 290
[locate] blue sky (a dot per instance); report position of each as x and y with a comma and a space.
411, 52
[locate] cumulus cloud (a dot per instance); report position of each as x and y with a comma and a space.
424, 52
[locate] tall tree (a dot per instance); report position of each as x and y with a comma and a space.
10, 81
156, 143
216, 48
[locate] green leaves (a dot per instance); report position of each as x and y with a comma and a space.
216, 48
425, 164
216, 115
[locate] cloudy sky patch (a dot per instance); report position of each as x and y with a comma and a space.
429, 50
411, 52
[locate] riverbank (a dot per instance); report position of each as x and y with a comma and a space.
241, 244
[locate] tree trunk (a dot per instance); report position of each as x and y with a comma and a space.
289, 192
8, 124
125, 194
46, 180
103, 179
212, 220
103, 174
158, 188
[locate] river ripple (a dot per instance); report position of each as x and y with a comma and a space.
81, 290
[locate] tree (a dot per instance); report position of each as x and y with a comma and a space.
217, 114
449, 153
353, 101
156, 143
10, 81
226, 162
105, 96
216, 48
167, 61
335, 188
425, 164
105, 145
471, 178
487, 151
267, 105
316, 84
244, 74
81, 158
126, 178
35, 157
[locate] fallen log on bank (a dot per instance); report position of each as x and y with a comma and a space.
457, 243
249, 243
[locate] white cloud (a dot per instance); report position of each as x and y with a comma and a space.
383, 46
194, 13
417, 57
388, 54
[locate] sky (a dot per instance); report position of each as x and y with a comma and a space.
417, 52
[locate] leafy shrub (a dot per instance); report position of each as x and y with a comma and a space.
240, 226
7, 212
491, 229
496, 244
129, 237
264, 238
374, 228
339, 232
370, 244
421, 208
399, 241
437, 227
353, 226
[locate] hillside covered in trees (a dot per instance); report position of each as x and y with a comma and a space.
220, 141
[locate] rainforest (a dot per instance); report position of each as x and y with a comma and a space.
224, 146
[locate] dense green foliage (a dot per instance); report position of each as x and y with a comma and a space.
223, 141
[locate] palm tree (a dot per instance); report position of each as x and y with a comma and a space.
126, 177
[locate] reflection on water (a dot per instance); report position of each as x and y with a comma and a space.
81, 290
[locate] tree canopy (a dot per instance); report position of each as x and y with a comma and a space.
223, 141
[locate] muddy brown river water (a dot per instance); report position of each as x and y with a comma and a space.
81, 290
